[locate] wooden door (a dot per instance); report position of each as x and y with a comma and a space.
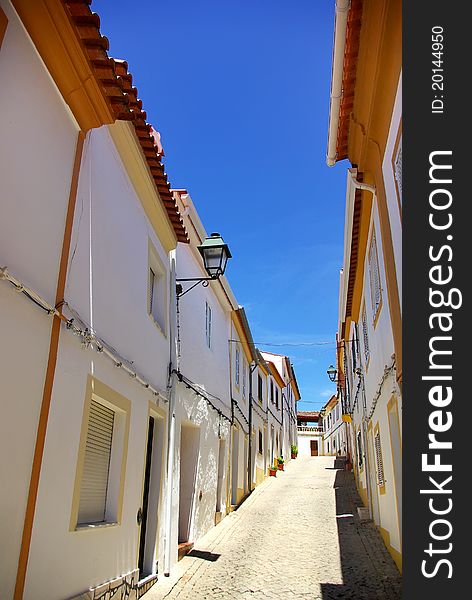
314, 447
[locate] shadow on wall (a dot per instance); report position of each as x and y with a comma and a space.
368, 570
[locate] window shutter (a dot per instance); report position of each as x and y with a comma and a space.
378, 454
93, 491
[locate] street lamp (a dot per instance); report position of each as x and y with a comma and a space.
215, 254
332, 372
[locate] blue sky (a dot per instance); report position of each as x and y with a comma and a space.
239, 90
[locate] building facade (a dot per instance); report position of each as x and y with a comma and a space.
365, 128
135, 416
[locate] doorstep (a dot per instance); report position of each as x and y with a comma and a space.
184, 548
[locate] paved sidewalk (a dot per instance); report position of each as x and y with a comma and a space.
296, 536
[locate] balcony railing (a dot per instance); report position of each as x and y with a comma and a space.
309, 429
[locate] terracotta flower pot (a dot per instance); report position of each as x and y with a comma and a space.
281, 466
294, 455
273, 472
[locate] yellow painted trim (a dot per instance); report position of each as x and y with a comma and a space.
378, 70
127, 145
241, 335
395, 554
381, 488
96, 390
55, 38
392, 406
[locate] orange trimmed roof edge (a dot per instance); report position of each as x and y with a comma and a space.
275, 373
116, 84
351, 52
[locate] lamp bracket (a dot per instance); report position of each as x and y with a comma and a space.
203, 280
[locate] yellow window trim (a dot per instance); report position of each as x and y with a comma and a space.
96, 390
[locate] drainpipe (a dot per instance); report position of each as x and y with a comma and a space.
342, 10
359, 185
174, 364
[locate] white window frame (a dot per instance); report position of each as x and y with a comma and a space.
157, 301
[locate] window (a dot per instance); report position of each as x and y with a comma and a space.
99, 480
365, 335
236, 372
277, 398
397, 169
378, 456
271, 392
260, 442
259, 388
374, 275
157, 291
93, 491
244, 377
208, 324
360, 459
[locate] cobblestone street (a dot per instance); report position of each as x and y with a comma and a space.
296, 536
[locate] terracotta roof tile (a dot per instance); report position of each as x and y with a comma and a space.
117, 87
351, 52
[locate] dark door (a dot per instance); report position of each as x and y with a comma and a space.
144, 505
314, 447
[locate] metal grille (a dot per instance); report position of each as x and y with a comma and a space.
374, 273
208, 324
398, 169
94, 486
378, 455
365, 335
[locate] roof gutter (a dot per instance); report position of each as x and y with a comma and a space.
342, 10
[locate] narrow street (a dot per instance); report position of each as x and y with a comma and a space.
296, 536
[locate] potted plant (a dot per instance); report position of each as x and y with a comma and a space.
273, 471
280, 463
294, 451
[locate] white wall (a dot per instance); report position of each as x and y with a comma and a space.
37, 147
107, 283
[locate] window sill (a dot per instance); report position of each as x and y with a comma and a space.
158, 327
90, 526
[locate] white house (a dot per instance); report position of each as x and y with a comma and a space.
310, 433
136, 415
88, 232
365, 127
335, 437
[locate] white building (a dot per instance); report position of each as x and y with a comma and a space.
310, 433
335, 437
130, 425
88, 228
365, 127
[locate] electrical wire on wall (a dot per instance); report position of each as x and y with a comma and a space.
88, 337
189, 384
